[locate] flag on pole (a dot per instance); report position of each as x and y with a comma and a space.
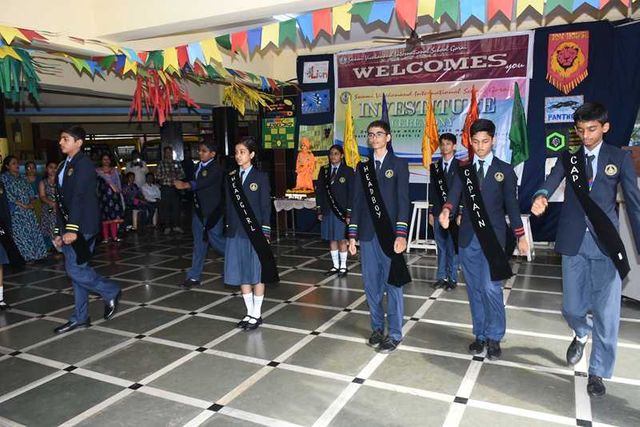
350, 145
472, 116
430, 135
518, 141
385, 118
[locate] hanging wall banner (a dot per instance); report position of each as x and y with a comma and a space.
316, 72
567, 59
448, 70
279, 124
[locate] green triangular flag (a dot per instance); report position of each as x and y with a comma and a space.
450, 7
224, 41
288, 30
155, 59
362, 10
107, 62
552, 4
519, 142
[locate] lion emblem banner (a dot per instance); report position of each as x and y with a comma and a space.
568, 58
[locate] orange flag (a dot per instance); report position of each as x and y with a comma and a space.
430, 135
472, 116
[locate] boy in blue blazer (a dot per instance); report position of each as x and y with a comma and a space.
594, 261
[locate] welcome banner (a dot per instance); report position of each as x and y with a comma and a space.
448, 70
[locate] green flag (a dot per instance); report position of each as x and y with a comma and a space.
519, 142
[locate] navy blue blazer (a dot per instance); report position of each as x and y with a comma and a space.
78, 196
342, 188
393, 182
614, 166
207, 187
258, 191
434, 202
499, 196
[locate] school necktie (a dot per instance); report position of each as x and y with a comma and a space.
333, 174
446, 167
480, 172
590, 158
198, 170
378, 165
62, 172
242, 177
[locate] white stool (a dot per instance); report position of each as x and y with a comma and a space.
416, 224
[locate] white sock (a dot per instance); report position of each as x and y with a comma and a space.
257, 307
583, 339
1, 291
334, 258
343, 259
248, 302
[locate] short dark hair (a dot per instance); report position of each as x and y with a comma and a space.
449, 137
483, 125
337, 147
128, 174
29, 162
77, 132
591, 111
211, 146
380, 124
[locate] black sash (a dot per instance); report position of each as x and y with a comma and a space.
269, 273
603, 227
333, 203
13, 253
498, 260
80, 246
398, 273
442, 191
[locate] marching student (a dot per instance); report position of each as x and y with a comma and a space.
78, 217
207, 224
334, 188
487, 188
594, 261
249, 261
443, 173
379, 219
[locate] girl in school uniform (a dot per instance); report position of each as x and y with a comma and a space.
333, 193
249, 261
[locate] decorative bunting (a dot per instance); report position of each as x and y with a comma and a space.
129, 65
170, 56
253, 39
381, 11
450, 7
322, 22
210, 51
239, 42
155, 59
195, 53
537, 5
270, 34
7, 51
496, 6
183, 56
342, 17
551, 5
288, 31
17, 75
593, 3
428, 7
143, 56
469, 8
224, 41
32, 35
11, 33
120, 61
131, 55
406, 11
362, 10
305, 22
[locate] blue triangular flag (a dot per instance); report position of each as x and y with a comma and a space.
305, 22
195, 53
254, 38
381, 11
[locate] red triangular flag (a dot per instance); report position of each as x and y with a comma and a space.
143, 56
32, 35
321, 22
495, 6
406, 11
183, 55
239, 42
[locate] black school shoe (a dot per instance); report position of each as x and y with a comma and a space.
595, 386
251, 326
190, 283
441, 283
451, 285
494, 352
331, 271
343, 272
375, 339
388, 345
477, 346
575, 351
